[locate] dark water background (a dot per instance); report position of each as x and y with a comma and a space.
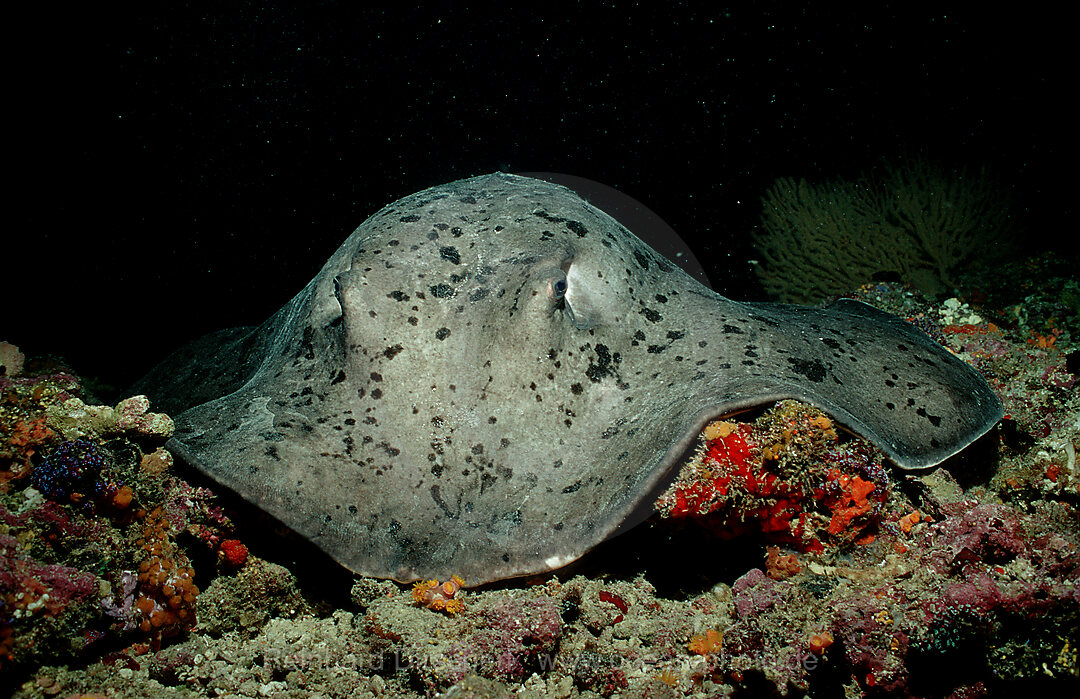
181, 167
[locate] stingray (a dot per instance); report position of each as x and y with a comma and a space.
490, 377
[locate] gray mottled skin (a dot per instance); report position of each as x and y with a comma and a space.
434, 402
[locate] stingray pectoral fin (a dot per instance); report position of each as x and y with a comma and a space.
202, 370
882, 378
211, 366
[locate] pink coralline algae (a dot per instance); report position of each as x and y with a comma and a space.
34, 586
518, 636
980, 546
982, 587
755, 592
976, 533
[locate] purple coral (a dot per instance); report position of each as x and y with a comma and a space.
73, 467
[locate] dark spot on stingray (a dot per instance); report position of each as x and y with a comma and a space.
450, 254
573, 488
656, 349
442, 333
376, 376
651, 315
307, 350
642, 261
661, 298
411, 218
398, 295
576, 389
602, 366
442, 291
731, 330
477, 294
350, 421
934, 419
812, 369
750, 353
675, 334
437, 497
455, 231
575, 226
376, 393
338, 379
413, 320
391, 352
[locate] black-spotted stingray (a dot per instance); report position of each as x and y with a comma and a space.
489, 376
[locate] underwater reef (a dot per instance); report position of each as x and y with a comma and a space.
786, 558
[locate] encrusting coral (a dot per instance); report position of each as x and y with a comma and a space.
787, 476
89, 521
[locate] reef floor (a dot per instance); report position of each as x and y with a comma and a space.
122, 574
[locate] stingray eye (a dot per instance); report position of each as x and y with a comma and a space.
558, 288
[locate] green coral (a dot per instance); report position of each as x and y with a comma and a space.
919, 223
